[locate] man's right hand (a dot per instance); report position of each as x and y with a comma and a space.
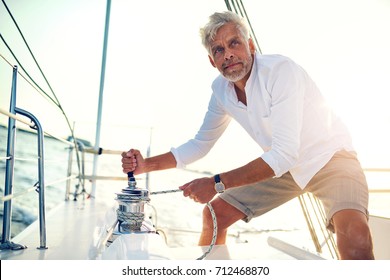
133, 161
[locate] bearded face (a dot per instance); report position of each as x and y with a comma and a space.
231, 54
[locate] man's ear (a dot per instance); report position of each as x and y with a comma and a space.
252, 46
212, 62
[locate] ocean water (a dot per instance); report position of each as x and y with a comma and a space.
176, 216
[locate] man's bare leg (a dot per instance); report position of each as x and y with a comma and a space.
226, 216
354, 240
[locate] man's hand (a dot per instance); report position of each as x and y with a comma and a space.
200, 190
133, 161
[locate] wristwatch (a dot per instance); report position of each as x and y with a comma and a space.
219, 186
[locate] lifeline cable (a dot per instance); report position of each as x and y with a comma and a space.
55, 100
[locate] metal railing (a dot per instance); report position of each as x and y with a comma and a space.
13, 117
9, 175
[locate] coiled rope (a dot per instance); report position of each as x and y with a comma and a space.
130, 221
213, 216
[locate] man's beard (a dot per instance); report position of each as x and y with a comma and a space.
237, 75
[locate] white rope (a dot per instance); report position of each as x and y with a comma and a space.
130, 221
214, 217
165, 192
215, 231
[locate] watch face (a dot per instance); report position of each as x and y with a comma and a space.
219, 187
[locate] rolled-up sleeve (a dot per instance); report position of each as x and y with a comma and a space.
214, 124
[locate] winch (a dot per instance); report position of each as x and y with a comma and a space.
132, 236
129, 237
131, 210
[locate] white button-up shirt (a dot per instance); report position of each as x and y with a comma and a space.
285, 114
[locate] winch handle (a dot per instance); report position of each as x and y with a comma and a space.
131, 180
130, 176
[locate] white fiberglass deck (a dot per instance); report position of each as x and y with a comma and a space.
72, 226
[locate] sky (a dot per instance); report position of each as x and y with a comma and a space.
158, 75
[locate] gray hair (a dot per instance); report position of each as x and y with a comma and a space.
216, 21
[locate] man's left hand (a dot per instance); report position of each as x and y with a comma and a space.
200, 190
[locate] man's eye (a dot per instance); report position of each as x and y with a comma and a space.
235, 42
218, 50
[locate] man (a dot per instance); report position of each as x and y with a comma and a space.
306, 147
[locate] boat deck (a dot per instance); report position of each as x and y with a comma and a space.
71, 228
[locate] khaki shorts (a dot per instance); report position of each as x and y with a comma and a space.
340, 184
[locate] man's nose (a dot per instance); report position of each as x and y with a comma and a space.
228, 55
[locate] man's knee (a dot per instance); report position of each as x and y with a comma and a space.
225, 214
353, 236
358, 242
